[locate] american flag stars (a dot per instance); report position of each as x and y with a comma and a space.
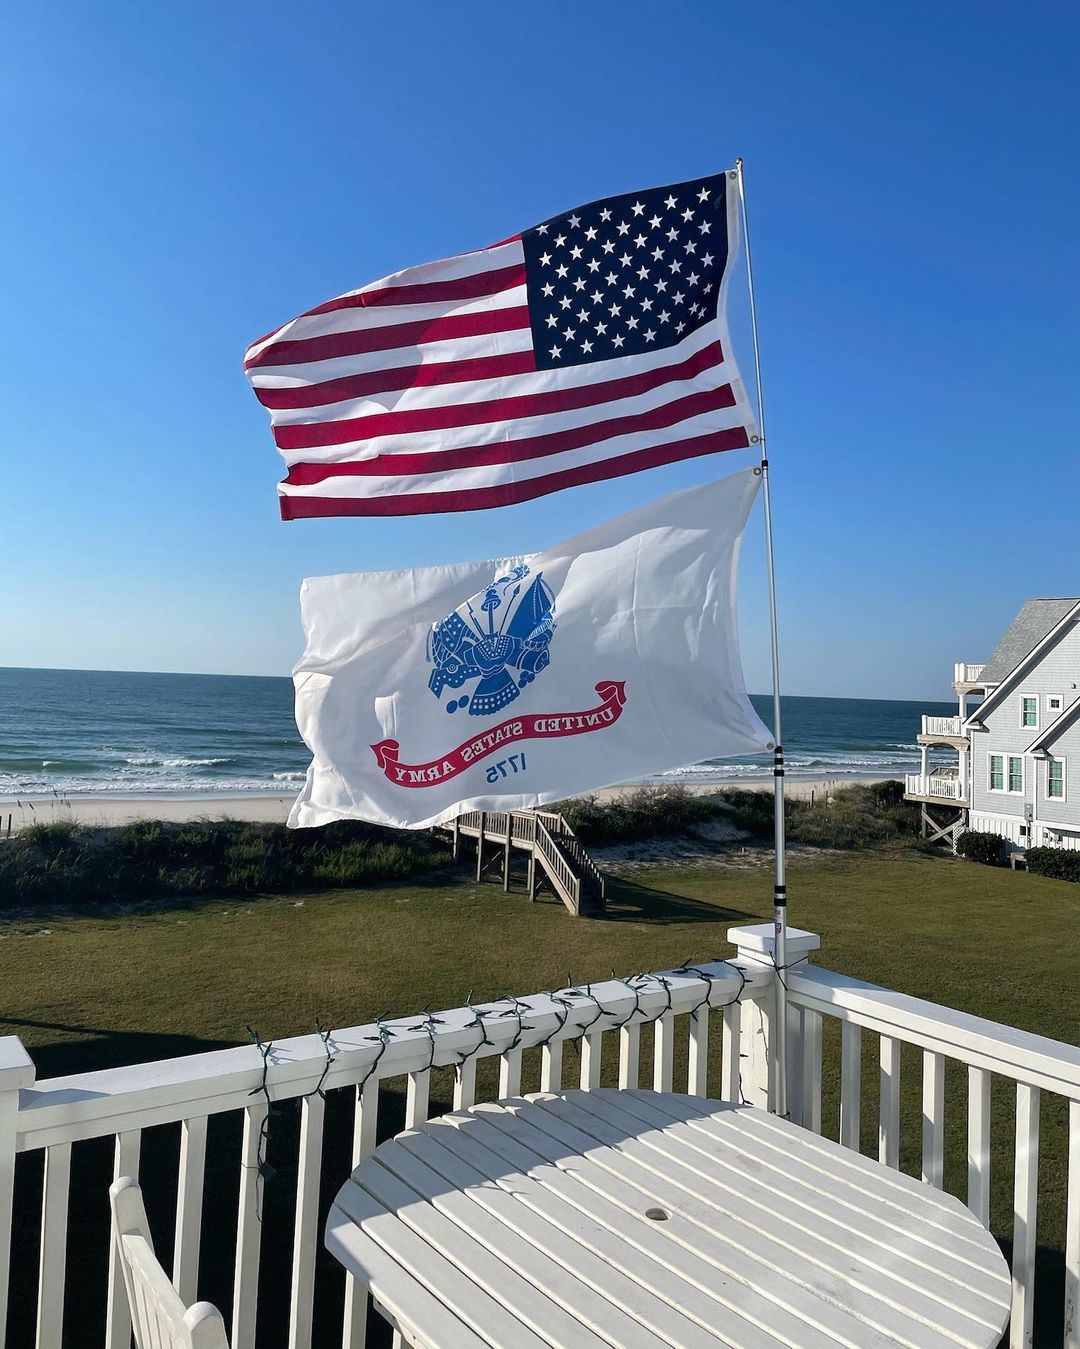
614, 265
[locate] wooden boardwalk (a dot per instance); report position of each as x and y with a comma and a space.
556, 858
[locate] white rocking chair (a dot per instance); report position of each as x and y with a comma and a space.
158, 1318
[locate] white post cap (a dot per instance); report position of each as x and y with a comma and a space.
16, 1066
757, 942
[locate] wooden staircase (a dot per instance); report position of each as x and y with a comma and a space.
557, 861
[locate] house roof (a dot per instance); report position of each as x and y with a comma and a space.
1029, 634
1036, 619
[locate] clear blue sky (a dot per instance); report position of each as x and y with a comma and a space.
179, 178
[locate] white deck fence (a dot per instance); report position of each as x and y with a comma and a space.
253, 1242
934, 784
964, 673
952, 726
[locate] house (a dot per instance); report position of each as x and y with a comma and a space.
1017, 768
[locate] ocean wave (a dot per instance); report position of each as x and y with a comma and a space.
144, 787
153, 761
13, 765
289, 777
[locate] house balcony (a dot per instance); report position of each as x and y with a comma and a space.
196, 1131
969, 678
944, 785
943, 731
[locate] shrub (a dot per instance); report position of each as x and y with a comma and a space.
63, 865
645, 812
979, 846
887, 793
752, 811
1061, 864
360, 863
856, 816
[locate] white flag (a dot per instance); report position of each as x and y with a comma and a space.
508, 684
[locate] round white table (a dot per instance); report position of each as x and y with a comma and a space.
593, 1219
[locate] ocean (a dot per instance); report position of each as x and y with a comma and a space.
97, 732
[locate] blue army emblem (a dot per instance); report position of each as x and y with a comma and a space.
501, 637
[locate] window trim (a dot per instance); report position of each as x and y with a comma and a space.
1005, 789
1029, 698
1057, 711
1054, 758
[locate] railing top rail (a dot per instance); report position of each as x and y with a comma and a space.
1018, 1054
113, 1100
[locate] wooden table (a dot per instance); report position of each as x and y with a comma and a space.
635, 1219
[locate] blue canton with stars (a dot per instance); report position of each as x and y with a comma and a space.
626, 275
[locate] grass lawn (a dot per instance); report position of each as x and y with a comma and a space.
91, 992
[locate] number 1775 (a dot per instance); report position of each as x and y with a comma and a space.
515, 764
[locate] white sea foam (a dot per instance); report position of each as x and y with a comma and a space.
153, 761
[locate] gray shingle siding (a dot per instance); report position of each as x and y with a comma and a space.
1057, 672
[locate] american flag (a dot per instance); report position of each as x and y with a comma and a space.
590, 346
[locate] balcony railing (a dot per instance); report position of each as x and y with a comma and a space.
967, 674
708, 1028
951, 726
935, 785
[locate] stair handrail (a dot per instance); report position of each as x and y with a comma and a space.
584, 860
557, 864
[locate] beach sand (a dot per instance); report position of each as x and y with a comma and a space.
113, 810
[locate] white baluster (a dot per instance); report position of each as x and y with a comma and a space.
697, 1071
248, 1231
53, 1251
933, 1120
811, 1070
851, 1085
117, 1317
591, 1046
189, 1205
1025, 1201
664, 1052
979, 1144
551, 1066
465, 1084
1072, 1233
305, 1229
630, 1055
354, 1332
731, 1055
510, 1073
16, 1072
417, 1098
889, 1119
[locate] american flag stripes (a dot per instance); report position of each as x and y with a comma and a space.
590, 346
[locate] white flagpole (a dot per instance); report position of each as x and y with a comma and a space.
779, 1033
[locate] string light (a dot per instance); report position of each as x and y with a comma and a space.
564, 1007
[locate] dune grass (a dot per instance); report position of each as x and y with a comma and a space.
67, 865
94, 991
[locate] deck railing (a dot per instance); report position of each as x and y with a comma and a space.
989, 1052
935, 784
953, 726
964, 673
709, 1031
121, 1104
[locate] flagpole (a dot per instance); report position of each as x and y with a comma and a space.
779, 1034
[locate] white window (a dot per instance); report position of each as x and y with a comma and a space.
1055, 779
1029, 712
997, 773
1016, 773
1054, 703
